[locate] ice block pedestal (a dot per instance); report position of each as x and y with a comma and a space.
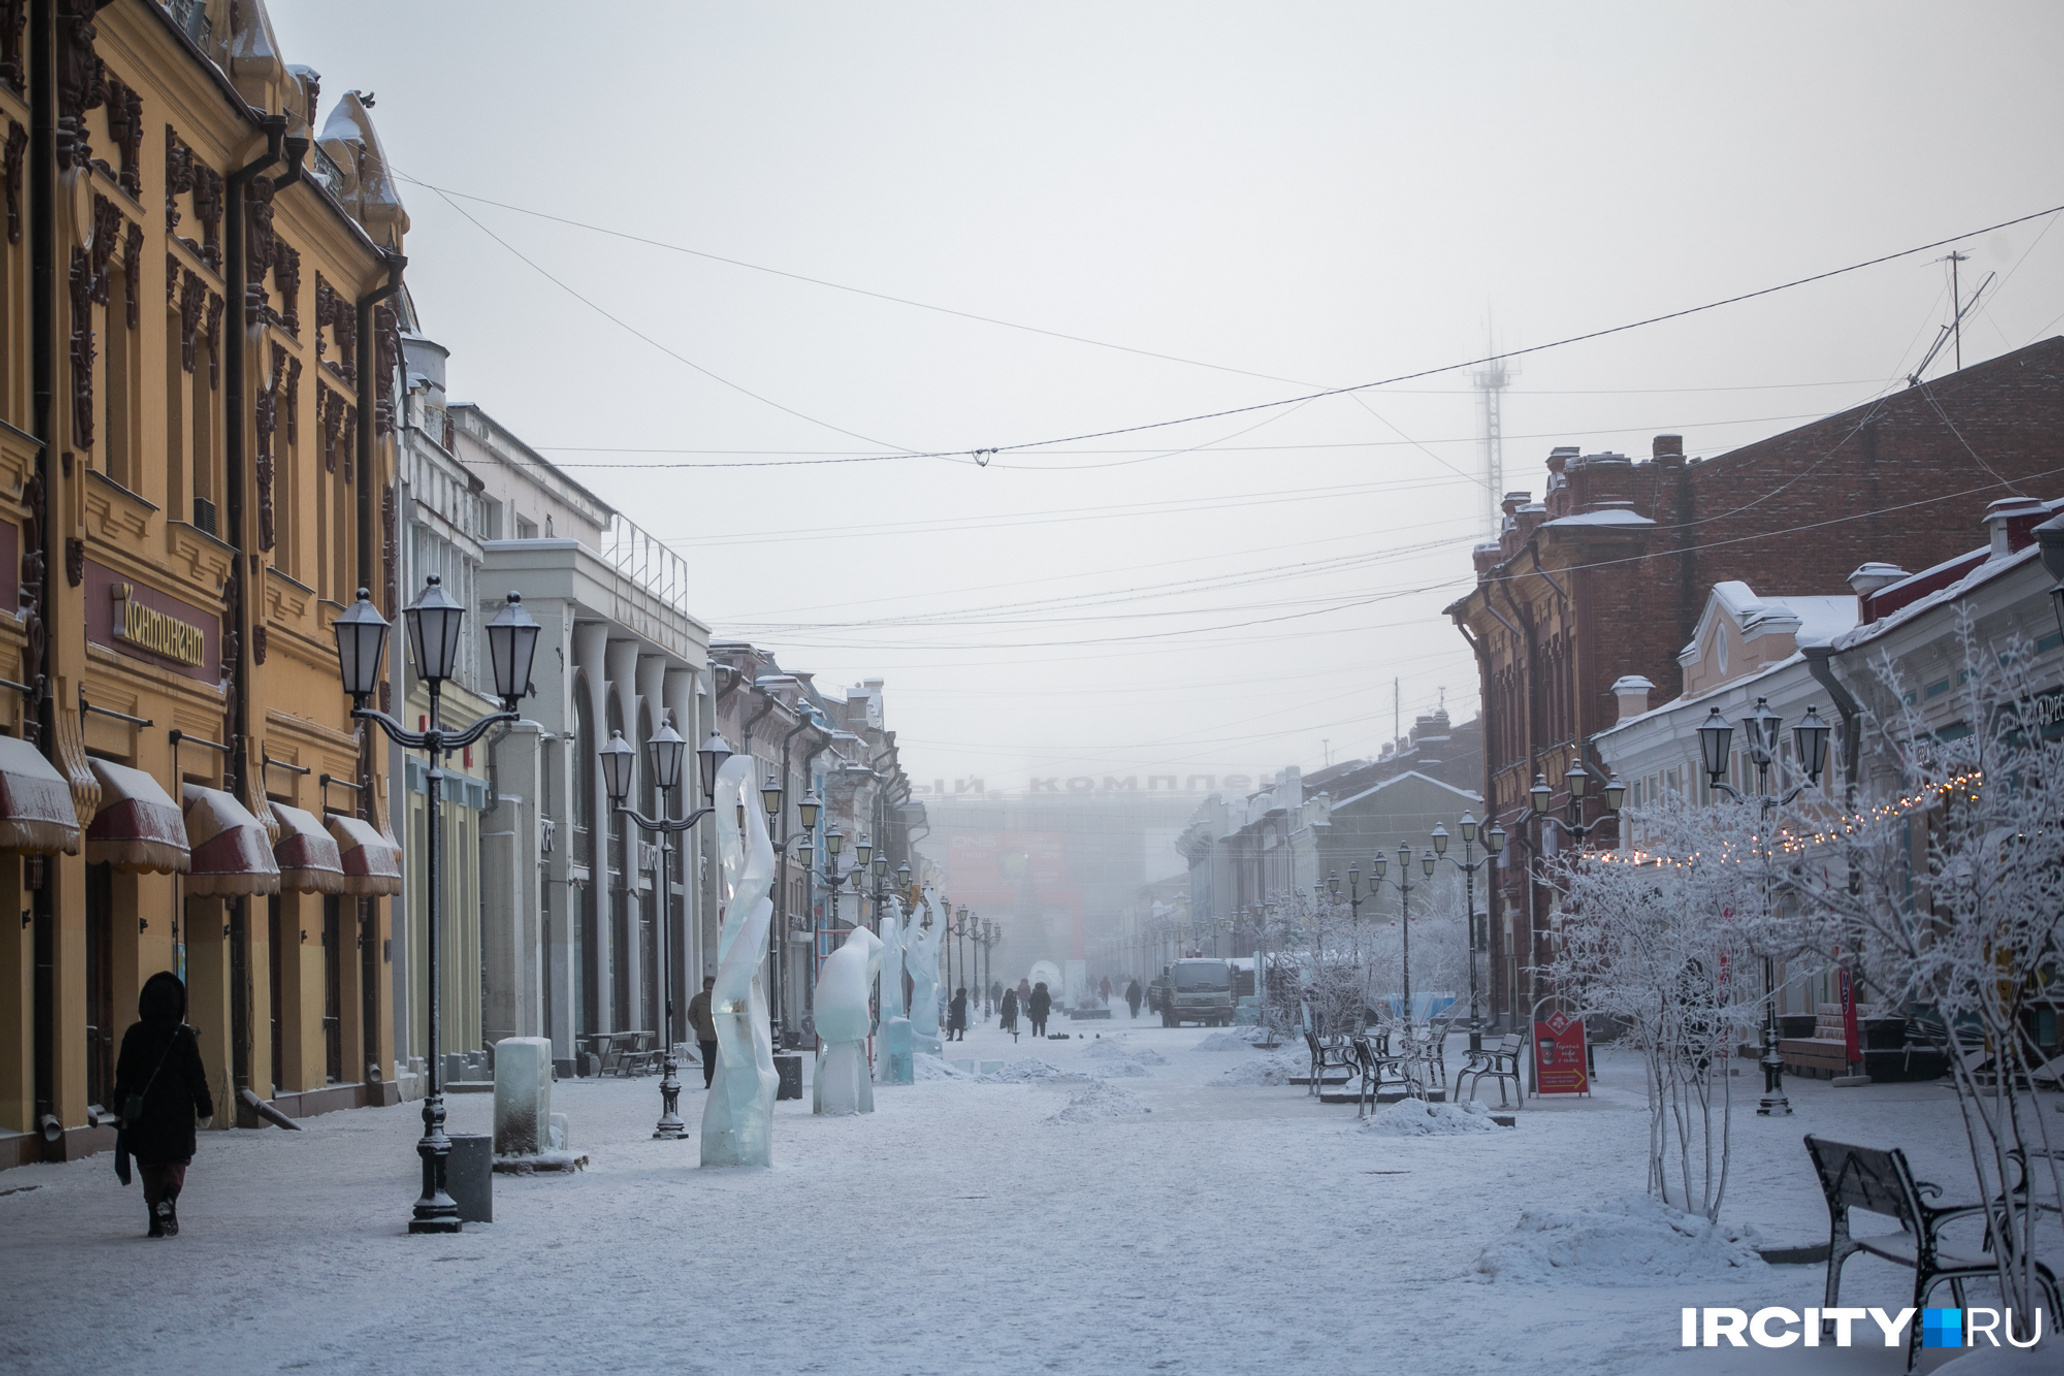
523, 1096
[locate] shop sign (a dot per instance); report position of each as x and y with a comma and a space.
137, 620
147, 628
1559, 1056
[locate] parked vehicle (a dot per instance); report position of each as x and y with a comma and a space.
1201, 991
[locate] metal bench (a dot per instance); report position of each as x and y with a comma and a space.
1326, 1054
1500, 1063
1881, 1182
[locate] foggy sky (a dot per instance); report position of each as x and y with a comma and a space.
1319, 194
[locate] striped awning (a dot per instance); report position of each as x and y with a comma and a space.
36, 812
138, 826
372, 858
231, 853
307, 854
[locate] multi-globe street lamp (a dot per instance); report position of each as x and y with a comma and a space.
1494, 843
1810, 738
435, 622
1404, 885
665, 751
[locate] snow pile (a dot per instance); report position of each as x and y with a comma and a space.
932, 1068
1096, 1102
1128, 1060
1636, 1239
1030, 1070
1415, 1119
1275, 1069
1224, 1041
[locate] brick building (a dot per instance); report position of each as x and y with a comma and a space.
1607, 575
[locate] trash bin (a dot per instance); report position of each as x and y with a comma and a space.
790, 1068
469, 1176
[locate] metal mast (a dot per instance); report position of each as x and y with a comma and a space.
1490, 382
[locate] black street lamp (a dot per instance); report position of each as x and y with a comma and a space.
666, 749
434, 623
1404, 885
1764, 728
1494, 842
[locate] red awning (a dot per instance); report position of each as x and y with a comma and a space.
372, 858
307, 856
36, 812
138, 826
231, 853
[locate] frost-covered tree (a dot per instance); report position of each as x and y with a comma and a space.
1947, 900
1664, 942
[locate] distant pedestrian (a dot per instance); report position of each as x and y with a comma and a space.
1010, 1012
163, 1091
956, 1016
1104, 990
1040, 1004
704, 1024
1133, 996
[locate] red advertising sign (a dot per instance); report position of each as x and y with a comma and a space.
1559, 1063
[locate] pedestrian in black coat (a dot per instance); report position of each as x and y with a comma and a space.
160, 1074
1133, 996
1040, 1005
956, 1016
1010, 1012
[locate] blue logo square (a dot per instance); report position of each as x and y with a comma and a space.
1942, 1328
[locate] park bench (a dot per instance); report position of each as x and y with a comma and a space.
1880, 1182
1327, 1053
1499, 1063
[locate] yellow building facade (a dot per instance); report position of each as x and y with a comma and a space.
197, 348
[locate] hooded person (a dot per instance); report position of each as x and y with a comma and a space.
163, 1091
1037, 1007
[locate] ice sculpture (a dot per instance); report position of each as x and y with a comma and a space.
921, 959
844, 1082
738, 1119
892, 1062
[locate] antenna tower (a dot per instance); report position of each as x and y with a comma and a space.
1490, 382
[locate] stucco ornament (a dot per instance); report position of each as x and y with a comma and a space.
738, 1118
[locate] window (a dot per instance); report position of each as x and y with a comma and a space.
526, 530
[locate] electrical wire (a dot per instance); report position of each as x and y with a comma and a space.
983, 455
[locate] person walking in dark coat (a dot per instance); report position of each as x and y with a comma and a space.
1133, 996
162, 1090
704, 1026
1039, 1007
956, 1016
1010, 1012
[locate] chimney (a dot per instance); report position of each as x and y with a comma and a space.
1632, 694
1867, 581
2011, 523
1668, 448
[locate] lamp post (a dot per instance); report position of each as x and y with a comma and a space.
881, 875
1494, 843
1764, 729
434, 622
664, 751
1404, 885
960, 931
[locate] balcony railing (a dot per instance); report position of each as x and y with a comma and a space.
643, 559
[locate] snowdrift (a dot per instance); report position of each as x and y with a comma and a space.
1633, 1241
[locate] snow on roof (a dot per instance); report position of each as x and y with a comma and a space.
1400, 778
1981, 574
1611, 516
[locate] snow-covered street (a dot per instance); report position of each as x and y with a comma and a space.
1161, 1221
